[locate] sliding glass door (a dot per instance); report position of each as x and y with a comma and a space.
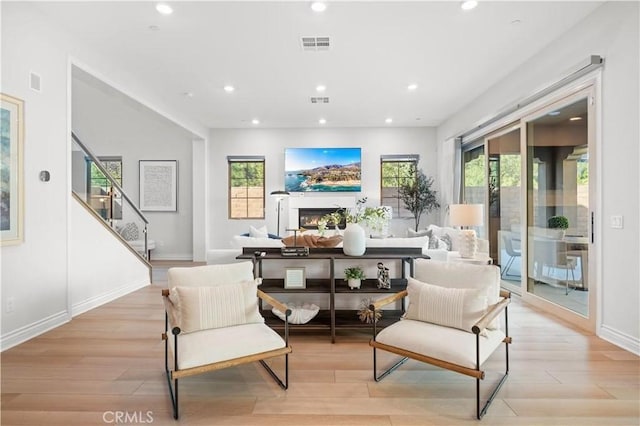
559, 170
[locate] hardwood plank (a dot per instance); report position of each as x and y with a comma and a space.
112, 358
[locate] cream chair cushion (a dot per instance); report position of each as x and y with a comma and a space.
452, 307
224, 344
444, 343
201, 308
210, 275
461, 275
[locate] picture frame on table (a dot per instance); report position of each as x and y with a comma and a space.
158, 185
11, 176
294, 278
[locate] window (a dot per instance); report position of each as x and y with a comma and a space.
246, 187
396, 171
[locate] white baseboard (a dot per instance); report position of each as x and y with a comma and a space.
30, 331
94, 302
169, 256
623, 340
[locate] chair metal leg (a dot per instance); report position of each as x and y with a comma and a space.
285, 384
389, 371
173, 390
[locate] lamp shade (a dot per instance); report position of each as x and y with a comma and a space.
279, 194
466, 214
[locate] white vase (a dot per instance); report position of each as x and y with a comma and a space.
353, 240
353, 283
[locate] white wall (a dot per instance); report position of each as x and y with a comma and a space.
35, 274
612, 32
112, 124
272, 142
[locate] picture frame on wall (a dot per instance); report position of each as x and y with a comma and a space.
11, 177
158, 185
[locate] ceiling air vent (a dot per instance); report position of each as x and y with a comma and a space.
319, 100
316, 43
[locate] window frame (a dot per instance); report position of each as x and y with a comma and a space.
398, 208
246, 160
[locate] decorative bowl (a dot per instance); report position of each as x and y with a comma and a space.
300, 313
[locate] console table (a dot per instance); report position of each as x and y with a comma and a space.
333, 318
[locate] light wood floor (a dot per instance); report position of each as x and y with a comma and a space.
111, 360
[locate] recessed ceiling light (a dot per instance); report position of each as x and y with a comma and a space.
255, 121
388, 120
516, 22
321, 88
154, 27
322, 121
412, 86
164, 8
554, 113
318, 6
575, 118
469, 4
229, 88
188, 94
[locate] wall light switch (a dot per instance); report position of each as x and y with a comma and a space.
617, 222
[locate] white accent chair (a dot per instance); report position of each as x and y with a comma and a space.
211, 313
427, 334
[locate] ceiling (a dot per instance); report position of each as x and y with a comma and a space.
377, 50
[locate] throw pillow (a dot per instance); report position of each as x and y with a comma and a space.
412, 234
446, 238
451, 307
258, 232
130, 232
202, 308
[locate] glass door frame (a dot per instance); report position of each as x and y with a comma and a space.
560, 100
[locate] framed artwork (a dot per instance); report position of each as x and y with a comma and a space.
11, 180
294, 278
159, 186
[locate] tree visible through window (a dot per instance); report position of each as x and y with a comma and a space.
246, 189
394, 173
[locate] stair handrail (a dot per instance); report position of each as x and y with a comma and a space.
99, 165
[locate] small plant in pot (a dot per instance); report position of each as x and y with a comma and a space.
354, 276
561, 223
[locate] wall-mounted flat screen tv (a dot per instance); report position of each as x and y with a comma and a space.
322, 169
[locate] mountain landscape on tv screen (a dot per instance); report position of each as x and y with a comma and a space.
329, 178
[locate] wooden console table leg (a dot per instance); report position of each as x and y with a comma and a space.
332, 299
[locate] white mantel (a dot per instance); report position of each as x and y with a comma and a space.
316, 201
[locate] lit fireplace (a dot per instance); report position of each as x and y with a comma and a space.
308, 218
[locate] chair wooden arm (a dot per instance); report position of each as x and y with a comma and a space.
493, 312
389, 299
274, 302
170, 309
505, 293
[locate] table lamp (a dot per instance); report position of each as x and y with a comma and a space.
467, 215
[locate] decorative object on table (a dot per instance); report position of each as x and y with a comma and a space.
301, 313
418, 196
279, 196
294, 278
354, 234
12, 213
159, 185
467, 215
354, 276
560, 223
366, 314
383, 277
310, 240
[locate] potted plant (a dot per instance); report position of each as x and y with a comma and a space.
418, 196
354, 276
560, 223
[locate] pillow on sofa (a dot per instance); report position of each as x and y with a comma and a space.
272, 236
398, 242
452, 307
129, 231
258, 232
202, 308
240, 241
